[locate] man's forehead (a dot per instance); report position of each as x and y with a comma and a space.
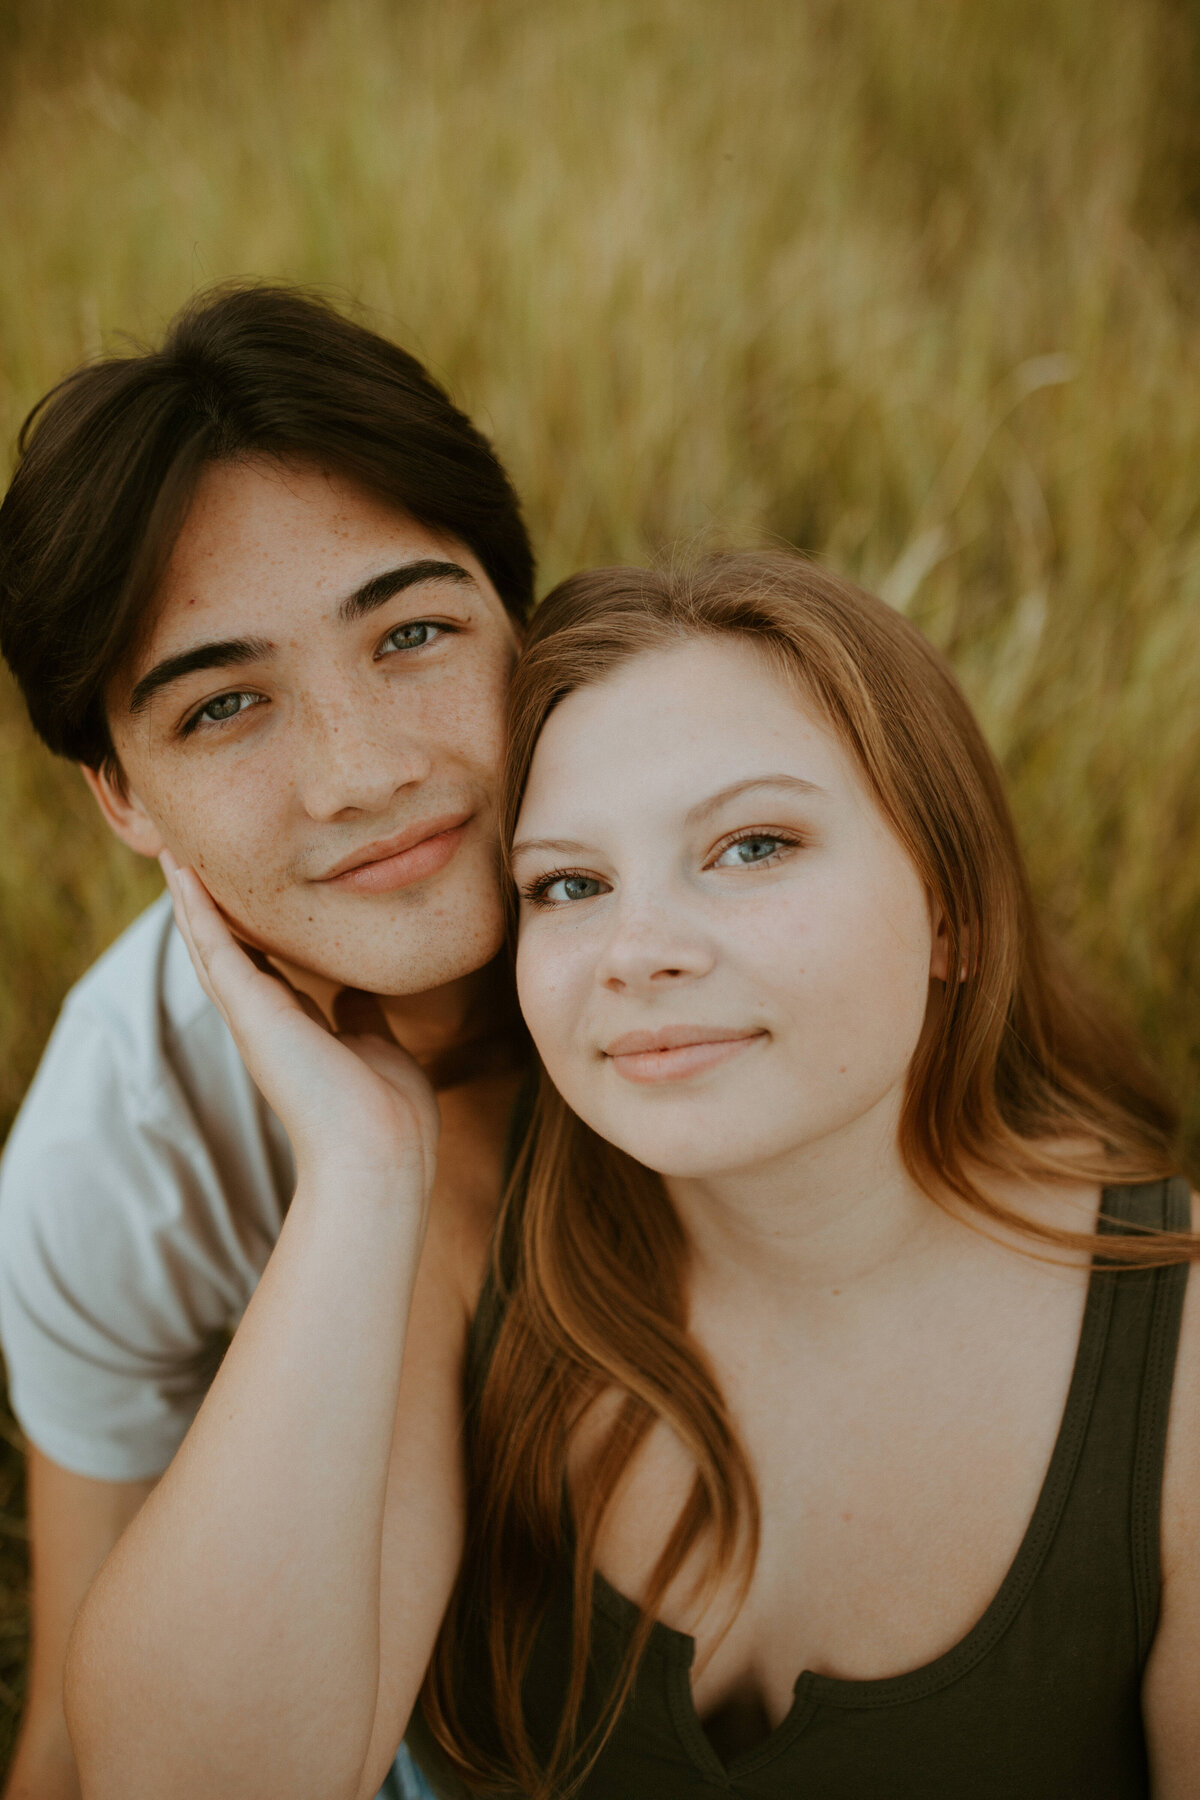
267, 523
261, 542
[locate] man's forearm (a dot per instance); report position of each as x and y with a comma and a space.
74, 1522
199, 1645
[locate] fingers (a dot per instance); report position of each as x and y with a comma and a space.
220, 957
226, 973
265, 966
183, 919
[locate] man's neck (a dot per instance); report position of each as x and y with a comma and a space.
428, 1025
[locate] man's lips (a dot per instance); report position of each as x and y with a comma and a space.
677, 1051
402, 859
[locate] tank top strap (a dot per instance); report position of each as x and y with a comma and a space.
1128, 1427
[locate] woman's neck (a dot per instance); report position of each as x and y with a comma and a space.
825, 1218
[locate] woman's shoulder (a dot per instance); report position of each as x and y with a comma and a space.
1067, 1203
1168, 1700
1181, 1478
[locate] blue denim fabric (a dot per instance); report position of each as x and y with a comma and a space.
405, 1781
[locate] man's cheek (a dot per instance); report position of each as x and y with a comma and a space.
244, 880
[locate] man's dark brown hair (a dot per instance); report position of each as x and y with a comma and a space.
109, 460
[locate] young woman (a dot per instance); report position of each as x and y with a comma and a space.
830, 1382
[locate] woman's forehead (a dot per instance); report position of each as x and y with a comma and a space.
678, 724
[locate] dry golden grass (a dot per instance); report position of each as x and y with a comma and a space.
911, 285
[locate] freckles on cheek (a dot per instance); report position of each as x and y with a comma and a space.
531, 986
235, 866
471, 722
545, 999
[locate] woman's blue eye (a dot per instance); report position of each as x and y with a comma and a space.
576, 887
568, 887
412, 636
748, 851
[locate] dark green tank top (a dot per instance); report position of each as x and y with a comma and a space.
1040, 1700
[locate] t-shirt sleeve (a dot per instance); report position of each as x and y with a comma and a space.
117, 1290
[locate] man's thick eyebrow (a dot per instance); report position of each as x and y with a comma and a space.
226, 653
382, 588
795, 783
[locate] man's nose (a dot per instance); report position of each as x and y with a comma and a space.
653, 946
348, 763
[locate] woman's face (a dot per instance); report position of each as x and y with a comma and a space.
725, 953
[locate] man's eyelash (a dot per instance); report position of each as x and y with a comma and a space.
194, 719
440, 628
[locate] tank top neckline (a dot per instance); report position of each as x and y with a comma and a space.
677, 1648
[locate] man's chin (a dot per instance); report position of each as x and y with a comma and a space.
403, 971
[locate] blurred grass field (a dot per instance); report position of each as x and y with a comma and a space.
912, 284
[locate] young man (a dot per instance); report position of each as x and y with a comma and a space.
264, 585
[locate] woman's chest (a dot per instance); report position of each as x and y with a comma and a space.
894, 1494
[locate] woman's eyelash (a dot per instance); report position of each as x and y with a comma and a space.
535, 891
785, 840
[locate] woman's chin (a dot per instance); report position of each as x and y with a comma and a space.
699, 1154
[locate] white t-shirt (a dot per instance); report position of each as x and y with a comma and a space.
141, 1193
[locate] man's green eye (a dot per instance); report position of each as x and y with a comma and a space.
225, 706
220, 710
410, 637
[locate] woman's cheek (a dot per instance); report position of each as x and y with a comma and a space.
544, 994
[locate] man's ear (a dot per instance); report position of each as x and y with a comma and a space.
123, 812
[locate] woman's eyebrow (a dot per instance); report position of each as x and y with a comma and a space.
569, 847
559, 846
791, 783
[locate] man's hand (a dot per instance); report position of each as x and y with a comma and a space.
73, 1524
347, 1098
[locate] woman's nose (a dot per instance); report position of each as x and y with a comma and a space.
653, 948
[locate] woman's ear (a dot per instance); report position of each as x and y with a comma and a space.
123, 812
939, 957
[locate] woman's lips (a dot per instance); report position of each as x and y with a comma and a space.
401, 867
674, 1054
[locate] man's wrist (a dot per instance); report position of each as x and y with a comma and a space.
365, 1178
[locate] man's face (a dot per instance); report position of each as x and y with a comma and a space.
314, 722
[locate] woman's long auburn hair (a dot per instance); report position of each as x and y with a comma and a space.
1018, 1072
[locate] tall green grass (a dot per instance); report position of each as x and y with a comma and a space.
910, 284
